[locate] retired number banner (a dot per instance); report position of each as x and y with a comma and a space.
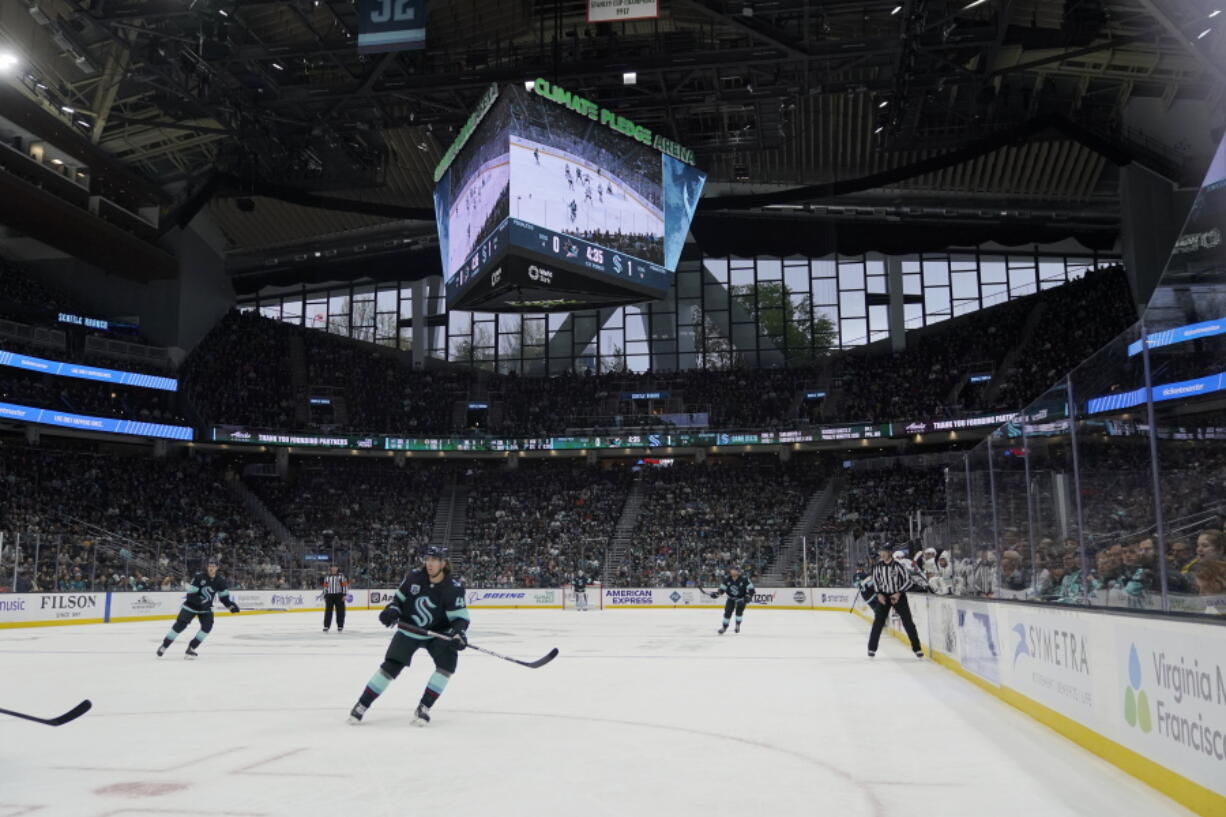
391, 25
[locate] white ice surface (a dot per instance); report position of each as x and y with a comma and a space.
541, 195
643, 713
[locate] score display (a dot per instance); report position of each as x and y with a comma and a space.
546, 204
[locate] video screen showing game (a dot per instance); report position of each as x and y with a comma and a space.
552, 209
471, 199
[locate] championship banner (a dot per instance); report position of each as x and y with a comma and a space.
391, 25
610, 11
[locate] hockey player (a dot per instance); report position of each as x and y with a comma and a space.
574, 210
201, 591
536, 154
428, 599
580, 583
739, 590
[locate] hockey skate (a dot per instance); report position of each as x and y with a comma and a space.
161, 651
422, 716
722, 630
355, 714
737, 629
191, 654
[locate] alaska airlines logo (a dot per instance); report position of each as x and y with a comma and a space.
1136, 703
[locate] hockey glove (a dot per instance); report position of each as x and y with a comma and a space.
714, 594
389, 615
459, 638
232, 607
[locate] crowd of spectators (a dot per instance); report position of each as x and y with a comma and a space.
697, 519
381, 394
880, 502
240, 374
539, 524
372, 515
1078, 319
113, 521
76, 396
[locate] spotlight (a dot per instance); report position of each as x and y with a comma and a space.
8, 61
879, 129
630, 78
896, 10
973, 3
278, 66
67, 109
1214, 13
883, 103
529, 84
1203, 34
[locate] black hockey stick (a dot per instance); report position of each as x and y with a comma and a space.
71, 715
540, 662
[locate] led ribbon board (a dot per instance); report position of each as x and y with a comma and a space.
85, 422
80, 371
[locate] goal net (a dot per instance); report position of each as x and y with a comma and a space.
570, 601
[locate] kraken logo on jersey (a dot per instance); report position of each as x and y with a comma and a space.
423, 617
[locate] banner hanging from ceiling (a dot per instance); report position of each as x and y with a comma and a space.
391, 25
611, 11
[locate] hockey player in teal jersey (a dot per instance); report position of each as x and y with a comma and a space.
739, 590
201, 591
428, 599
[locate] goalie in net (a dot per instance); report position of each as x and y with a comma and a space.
581, 594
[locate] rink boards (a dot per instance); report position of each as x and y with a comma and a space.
1145, 693
52, 609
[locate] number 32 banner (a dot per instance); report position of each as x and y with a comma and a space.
391, 25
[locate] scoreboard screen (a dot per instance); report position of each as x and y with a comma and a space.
547, 203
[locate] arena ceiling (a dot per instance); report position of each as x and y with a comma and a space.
243, 94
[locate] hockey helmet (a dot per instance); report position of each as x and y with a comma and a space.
437, 551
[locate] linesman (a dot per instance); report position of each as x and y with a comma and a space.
891, 580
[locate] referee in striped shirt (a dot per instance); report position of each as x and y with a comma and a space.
335, 588
892, 582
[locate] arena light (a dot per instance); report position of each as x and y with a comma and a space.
529, 84
1203, 34
973, 3
1214, 13
896, 10
278, 66
8, 61
630, 78
68, 109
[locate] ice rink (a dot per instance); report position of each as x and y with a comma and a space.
645, 712
543, 196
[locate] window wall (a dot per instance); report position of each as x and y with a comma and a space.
721, 313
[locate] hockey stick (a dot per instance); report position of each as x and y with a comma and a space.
71, 715
540, 662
